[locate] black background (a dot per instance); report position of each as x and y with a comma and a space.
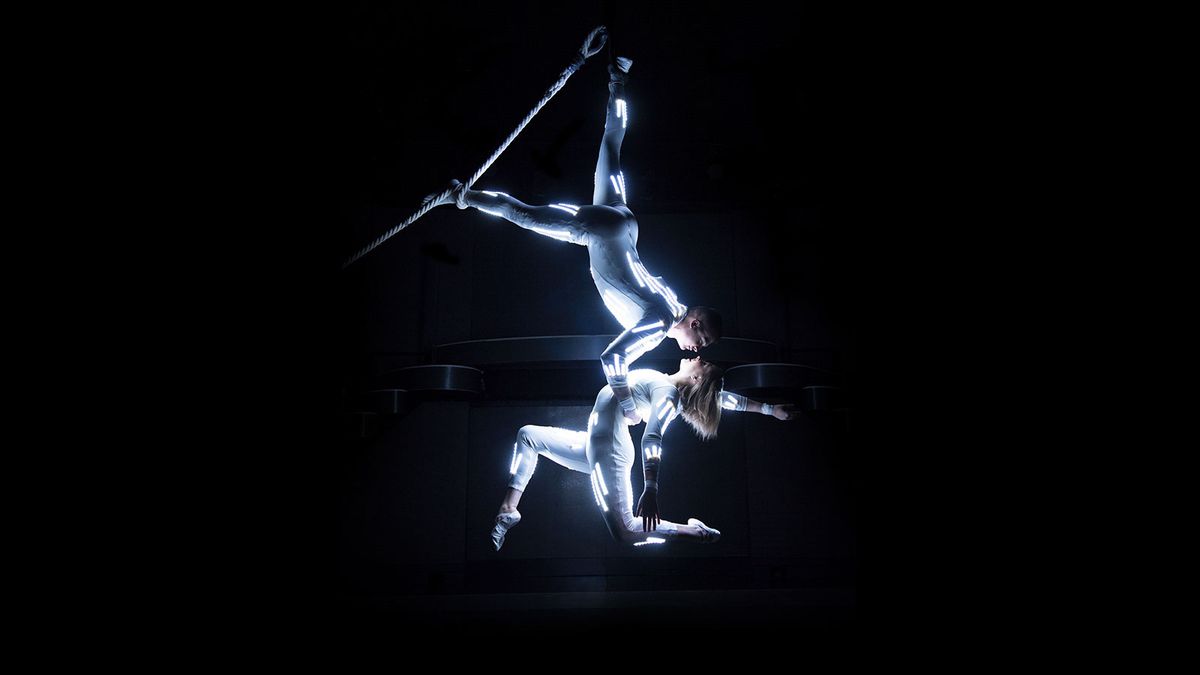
315, 130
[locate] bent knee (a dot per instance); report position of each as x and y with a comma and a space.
526, 434
630, 531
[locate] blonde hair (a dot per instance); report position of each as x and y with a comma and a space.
701, 404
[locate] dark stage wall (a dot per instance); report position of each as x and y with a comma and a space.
728, 160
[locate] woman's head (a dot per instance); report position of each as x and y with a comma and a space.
700, 384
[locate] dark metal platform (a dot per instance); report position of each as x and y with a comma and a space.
448, 381
811, 388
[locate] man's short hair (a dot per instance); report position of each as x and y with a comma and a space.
711, 319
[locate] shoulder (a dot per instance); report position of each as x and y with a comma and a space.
666, 390
648, 375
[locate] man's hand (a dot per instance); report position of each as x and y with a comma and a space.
631, 417
647, 509
784, 411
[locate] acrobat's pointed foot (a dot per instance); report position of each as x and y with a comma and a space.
504, 522
708, 535
619, 73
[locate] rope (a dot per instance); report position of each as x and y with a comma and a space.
598, 36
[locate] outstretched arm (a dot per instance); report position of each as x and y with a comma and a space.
737, 403
663, 409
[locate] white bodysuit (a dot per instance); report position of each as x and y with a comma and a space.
605, 451
642, 303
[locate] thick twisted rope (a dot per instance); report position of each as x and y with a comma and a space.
591, 46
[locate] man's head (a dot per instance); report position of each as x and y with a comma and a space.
700, 327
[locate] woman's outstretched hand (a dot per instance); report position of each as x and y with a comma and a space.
784, 411
648, 510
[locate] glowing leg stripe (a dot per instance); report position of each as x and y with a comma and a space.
518, 466
614, 182
494, 213
650, 540
494, 194
563, 208
621, 177
600, 476
596, 490
561, 236
574, 209
512, 466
